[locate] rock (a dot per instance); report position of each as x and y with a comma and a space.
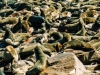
64, 64
97, 72
53, 30
89, 74
21, 67
91, 67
